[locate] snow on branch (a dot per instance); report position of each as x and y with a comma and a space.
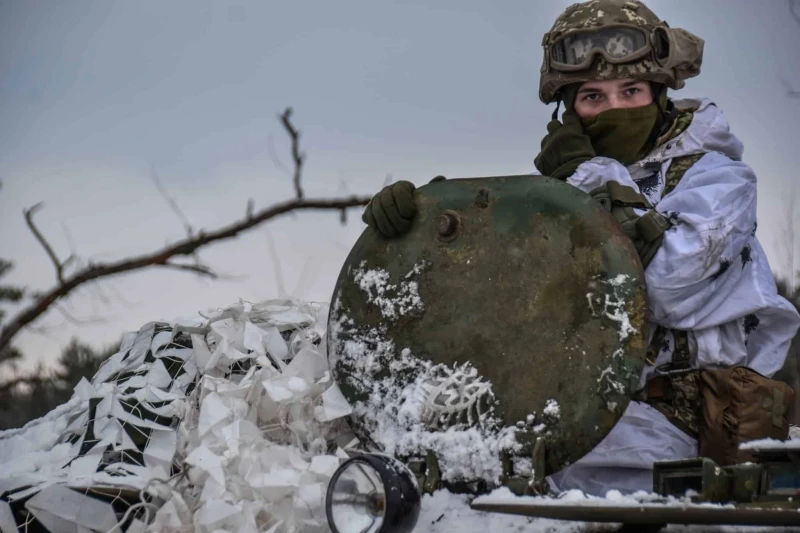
167, 256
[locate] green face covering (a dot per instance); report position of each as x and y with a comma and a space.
625, 135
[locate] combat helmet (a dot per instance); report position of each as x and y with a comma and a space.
614, 39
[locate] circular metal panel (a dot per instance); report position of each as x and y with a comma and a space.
526, 278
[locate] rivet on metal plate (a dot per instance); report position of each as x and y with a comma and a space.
482, 200
447, 224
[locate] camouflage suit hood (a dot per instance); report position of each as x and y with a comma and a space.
676, 54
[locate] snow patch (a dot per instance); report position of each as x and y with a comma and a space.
552, 409
792, 443
612, 306
411, 406
393, 300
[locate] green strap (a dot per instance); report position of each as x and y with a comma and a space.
652, 225
655, 345
680, 123
677, 168
680, 354
627, 196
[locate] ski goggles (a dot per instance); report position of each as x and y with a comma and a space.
576, 50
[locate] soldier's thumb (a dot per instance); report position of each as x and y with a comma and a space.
572, 120
553, 126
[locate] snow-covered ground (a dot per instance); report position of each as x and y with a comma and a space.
444, 512
226, 423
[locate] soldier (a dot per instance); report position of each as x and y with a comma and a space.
670, 172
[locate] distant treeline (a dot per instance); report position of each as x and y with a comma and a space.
33, 395
790, 373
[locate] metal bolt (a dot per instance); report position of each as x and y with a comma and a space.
482, 200
446, 224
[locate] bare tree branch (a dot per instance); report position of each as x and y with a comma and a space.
72, 319
297, 156
73, 255
165, 257
276, 160
59, 266
173, 205
276, 263
197, 269
794, 10
48, 330
791, 92
68, 237
162, 256
99, 293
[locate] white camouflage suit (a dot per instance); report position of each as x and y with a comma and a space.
710, 276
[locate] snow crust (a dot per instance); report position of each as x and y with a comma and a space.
792, 443
444, 512
613, 498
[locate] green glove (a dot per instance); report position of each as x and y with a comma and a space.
391, 211
646, 231
564, 147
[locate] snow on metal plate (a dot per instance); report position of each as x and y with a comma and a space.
515, 308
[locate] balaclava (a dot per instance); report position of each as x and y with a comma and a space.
625, 134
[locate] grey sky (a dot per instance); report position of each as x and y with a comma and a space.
94, 94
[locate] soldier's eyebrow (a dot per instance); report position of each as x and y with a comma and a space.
631, 83
624, 85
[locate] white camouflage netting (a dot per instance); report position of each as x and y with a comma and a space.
227, 424
229, 421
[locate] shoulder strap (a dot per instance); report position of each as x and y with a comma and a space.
680, 351
677, 168
677, 122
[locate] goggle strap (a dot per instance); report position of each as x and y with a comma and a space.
558, 104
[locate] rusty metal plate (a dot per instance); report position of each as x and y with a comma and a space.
524, 277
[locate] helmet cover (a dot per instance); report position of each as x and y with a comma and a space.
675, 54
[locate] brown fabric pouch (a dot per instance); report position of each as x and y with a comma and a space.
739, 405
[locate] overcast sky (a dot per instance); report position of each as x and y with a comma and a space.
94, 96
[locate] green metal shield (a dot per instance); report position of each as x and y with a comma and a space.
526, 278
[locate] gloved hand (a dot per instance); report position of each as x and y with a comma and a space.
646, 231
564, 147
391, 211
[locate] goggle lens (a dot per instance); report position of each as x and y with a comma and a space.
615, 44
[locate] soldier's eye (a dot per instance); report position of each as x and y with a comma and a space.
593, 97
